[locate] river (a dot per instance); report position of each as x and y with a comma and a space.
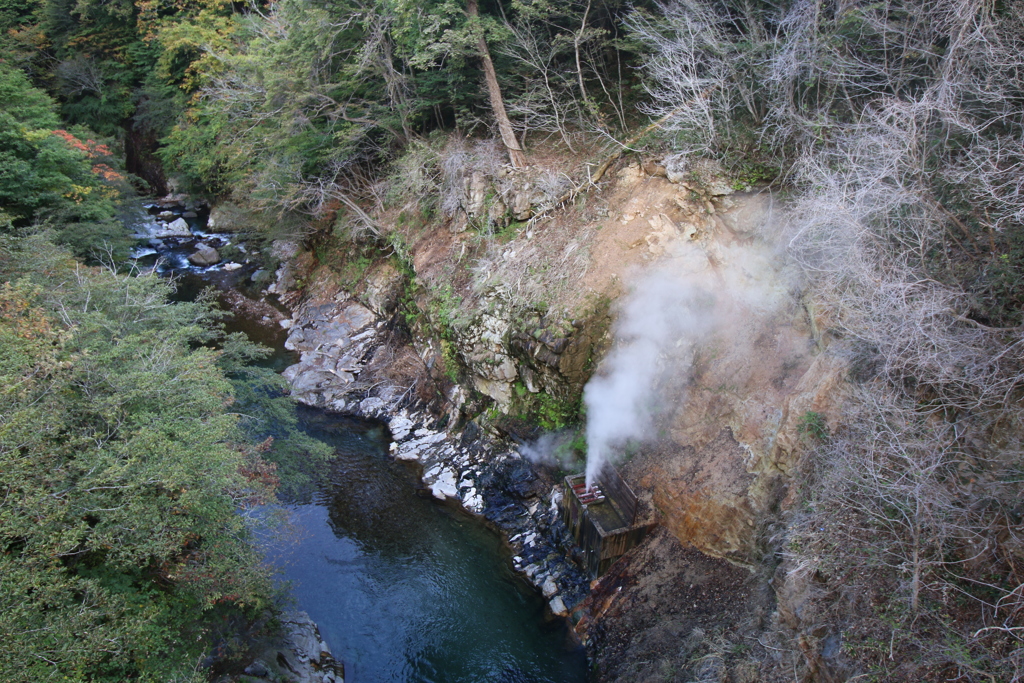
404, 589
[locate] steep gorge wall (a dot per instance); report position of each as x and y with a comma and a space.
734, 415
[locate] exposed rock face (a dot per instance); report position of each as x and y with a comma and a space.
488, 477
495, 194
335, 341
226, 217
727, 442
476, 194
349, 364
383, 289
703, 176
284, 277
730, 433
522, 205
650, 614
500, 348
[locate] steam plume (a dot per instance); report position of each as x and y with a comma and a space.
661, 320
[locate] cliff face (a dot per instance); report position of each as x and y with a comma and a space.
508, 335
733, 412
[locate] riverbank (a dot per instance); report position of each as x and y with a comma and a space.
352, 361
481, 474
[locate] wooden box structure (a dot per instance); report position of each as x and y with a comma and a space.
602, 519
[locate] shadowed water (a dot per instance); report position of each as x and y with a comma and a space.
405, 589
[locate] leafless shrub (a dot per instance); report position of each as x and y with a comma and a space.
416, 176
870, 230
453, 174
460, 160
80, 75
688, 70
550, 101
915, 491
908, 505
552, 185
704, 69
538, 268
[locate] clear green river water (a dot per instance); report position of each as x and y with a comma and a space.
404, 589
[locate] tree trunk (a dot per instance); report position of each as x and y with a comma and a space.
508, 136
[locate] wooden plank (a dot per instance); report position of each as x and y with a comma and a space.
619, 491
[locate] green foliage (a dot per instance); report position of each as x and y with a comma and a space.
813, 425
267, 416
450, 356
121, 550
548, 412
301, 101
445, 308
53, 177
347, 257
750, 172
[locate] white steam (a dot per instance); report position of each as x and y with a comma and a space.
658, 325
552, 448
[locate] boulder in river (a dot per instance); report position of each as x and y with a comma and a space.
232, 266
176, 228
205, 255
297, 654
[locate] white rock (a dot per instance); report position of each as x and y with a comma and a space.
549, 588
558, 606
406, 453
473, 503
232, 266
371, 405
400, 426
286, 323
425, 440
176, 228
445, 487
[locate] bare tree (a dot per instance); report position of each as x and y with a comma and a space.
688, 70
508, 136
548, 103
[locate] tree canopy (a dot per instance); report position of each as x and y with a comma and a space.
122, 470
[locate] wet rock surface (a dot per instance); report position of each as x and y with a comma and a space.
727, 448
340, 368
204, 255
487, 477
297, 655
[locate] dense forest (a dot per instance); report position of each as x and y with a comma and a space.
895, 131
